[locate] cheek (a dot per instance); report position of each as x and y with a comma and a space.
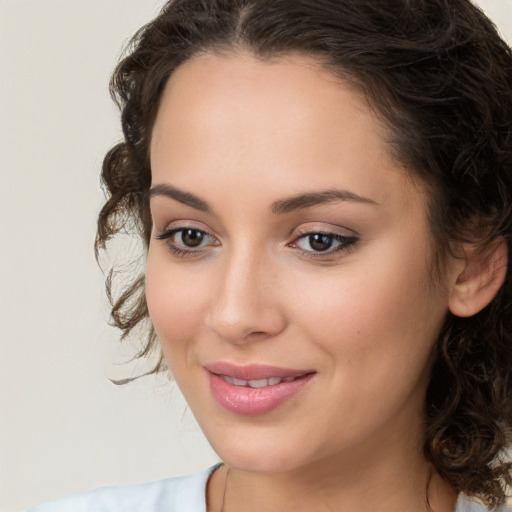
382, 310
175, 301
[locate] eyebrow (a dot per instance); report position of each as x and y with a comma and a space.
287, 205
303, 201
181, 196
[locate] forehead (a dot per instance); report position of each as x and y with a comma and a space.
210, 88
275, 121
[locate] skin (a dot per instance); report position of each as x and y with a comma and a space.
240, 134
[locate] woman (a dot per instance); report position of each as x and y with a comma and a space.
324, 190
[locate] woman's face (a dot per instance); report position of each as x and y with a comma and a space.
288, 275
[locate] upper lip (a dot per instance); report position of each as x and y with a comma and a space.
253, 371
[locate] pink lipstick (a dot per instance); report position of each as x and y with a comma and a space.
254, 389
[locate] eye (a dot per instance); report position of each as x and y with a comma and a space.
315, 243
320, 242
183, 240
191, 237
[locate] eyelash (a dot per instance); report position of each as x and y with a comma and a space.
346, 243
167, 235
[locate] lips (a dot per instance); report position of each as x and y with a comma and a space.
254, 389
257, 383
253, 371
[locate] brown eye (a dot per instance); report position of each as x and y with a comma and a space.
192, 237
187, 241
317, 243
320, 242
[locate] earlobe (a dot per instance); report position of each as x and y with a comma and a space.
483, 274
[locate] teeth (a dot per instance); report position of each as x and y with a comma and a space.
260, 383
256, 383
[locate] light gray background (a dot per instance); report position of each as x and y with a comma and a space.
64, 427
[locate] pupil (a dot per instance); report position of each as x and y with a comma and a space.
192, 237
320, 242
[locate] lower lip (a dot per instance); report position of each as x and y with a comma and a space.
253, 401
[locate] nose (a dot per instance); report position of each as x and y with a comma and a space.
246, 305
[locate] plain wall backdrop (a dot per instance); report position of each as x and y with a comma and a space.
64, 427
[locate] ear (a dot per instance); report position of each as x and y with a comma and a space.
483, 274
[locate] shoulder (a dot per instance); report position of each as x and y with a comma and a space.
170, 494
465, 504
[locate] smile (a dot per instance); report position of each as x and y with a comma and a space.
257, 383
254, 389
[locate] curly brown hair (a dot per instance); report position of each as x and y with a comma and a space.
441, 77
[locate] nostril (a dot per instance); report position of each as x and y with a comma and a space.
256, 335
238, 318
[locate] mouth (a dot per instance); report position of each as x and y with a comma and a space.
255, 389
255, 372
258, 383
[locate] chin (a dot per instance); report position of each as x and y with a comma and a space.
254, 463
254, 454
